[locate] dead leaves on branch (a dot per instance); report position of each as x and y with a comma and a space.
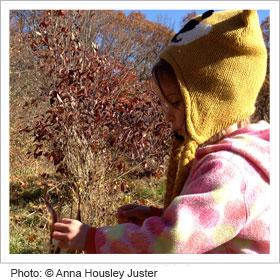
94, 93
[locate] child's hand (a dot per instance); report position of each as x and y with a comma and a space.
71, 234
133, 213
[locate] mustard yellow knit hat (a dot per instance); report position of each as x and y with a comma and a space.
220, 65
219, 59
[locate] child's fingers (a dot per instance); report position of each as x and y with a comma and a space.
124, 208
59, 236
136, 221
61, 227
137, 213
120, 213
66, 221
132, 213
128, 206
122, 220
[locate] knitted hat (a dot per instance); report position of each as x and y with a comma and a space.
219, 60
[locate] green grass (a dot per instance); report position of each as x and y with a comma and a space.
29, 228
28, 223
24, 240
151, 190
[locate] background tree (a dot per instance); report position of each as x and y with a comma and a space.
263, 101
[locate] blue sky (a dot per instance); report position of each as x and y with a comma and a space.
174, 18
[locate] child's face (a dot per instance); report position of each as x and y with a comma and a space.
172, 101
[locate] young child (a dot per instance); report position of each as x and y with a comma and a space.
218, 177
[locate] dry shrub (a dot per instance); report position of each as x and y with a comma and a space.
98, 192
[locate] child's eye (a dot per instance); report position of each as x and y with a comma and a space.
176, 104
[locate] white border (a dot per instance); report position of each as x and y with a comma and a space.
273, 6
139, 5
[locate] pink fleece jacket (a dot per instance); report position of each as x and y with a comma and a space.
223, 207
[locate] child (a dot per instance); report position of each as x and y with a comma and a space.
218, 178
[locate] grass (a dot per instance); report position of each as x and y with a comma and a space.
27, 236
148, 190
28, 229
29, 226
